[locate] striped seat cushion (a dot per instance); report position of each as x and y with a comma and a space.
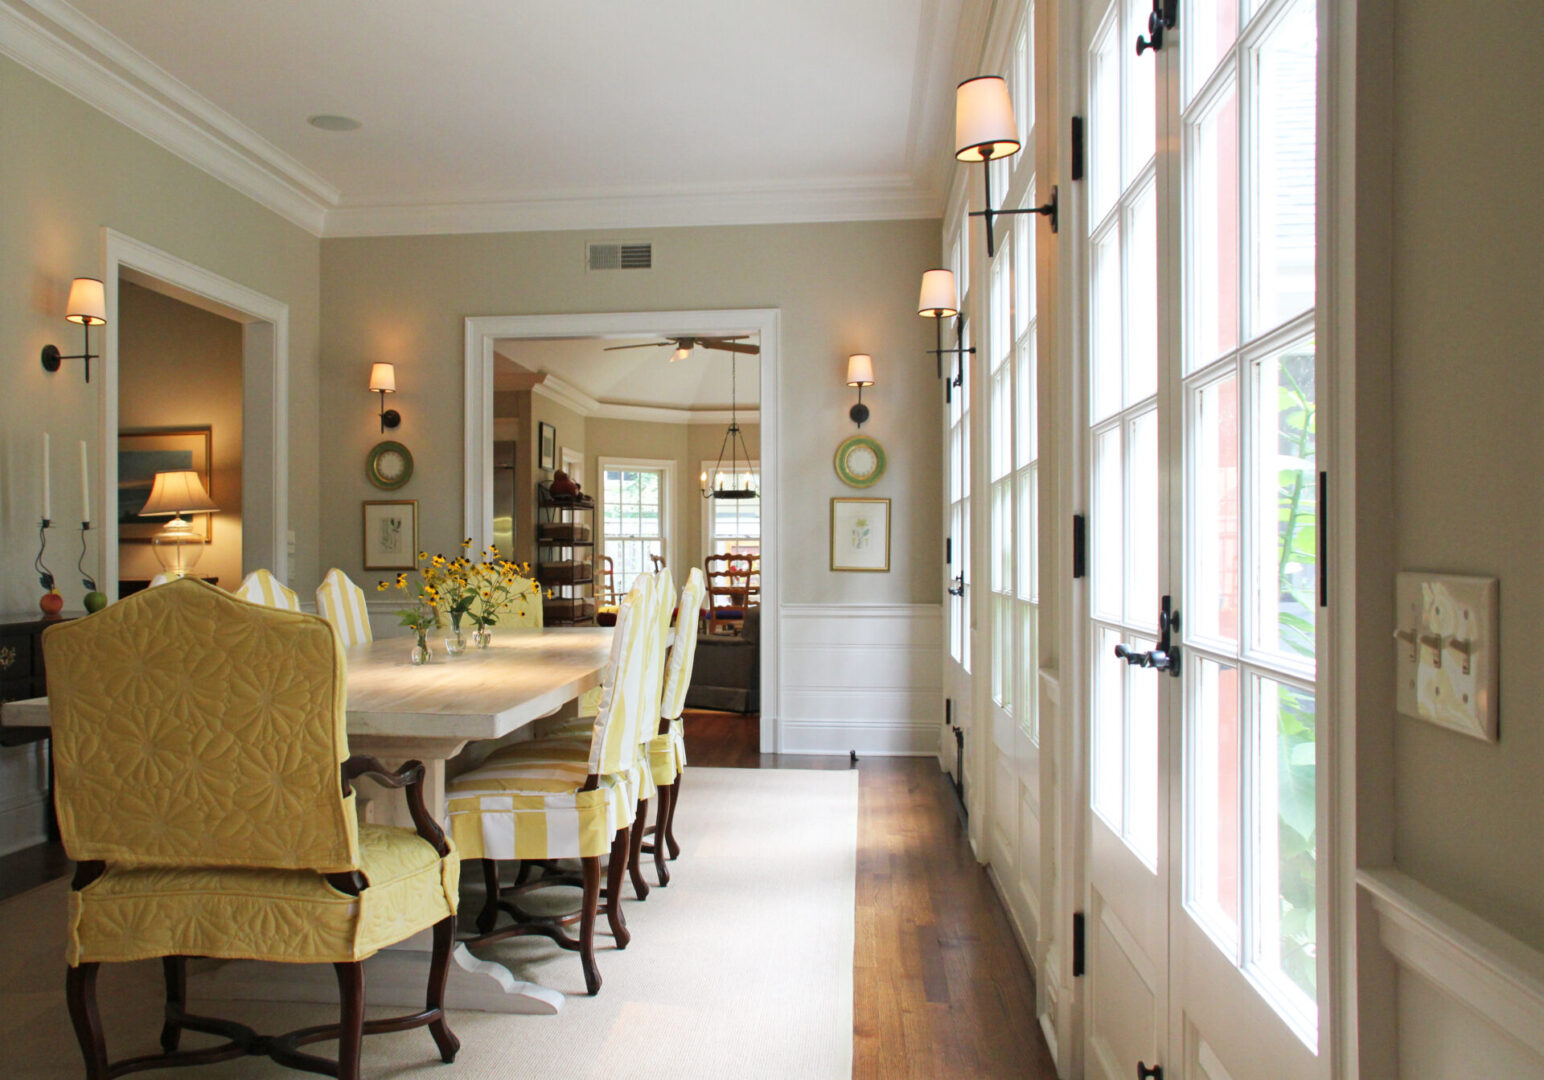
573, 749
535, 810
667, 754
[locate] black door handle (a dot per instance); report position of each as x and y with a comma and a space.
1164, 16
1149, 1072
1166, 656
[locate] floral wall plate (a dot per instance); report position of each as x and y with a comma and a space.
860, 461
389, 466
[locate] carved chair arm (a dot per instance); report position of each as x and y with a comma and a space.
411, 777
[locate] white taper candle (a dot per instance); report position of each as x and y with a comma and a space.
46, 514
85, 487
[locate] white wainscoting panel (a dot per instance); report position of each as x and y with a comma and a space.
864, 677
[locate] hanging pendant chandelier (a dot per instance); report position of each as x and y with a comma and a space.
734, 445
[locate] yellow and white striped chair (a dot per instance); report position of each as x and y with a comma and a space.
543, 801
667, 750
342, 603
261, 587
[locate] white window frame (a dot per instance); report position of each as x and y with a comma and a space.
669, 502
709, 469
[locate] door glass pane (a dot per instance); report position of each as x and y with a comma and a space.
1285, 947
1105, 391
1214, 588
1104, 124
1029, 566
1109, 728
1027, 435
1210, 27
1142, 759
1213, 230
1142, 532
1214, 808
1024, 268
1029, 652
1142, 296
1141, 95
1284, 169
1108, 526
1286, 543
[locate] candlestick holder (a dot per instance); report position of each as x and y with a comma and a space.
51, 602
95, 600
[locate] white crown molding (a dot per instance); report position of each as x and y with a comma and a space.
58, 43
566, 394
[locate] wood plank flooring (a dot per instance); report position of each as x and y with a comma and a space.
940, 988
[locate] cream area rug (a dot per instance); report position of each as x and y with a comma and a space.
741, 968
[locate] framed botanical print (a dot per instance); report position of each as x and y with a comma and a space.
391, 534
143, 452
860, 534
547, 447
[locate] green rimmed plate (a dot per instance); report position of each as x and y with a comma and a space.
389, 466
860, 461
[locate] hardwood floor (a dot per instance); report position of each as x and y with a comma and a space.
940, 988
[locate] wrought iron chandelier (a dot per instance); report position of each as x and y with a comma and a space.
732, 436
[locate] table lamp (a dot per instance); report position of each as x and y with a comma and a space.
174, 494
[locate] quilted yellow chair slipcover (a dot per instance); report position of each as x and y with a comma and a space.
261, 587
569, 798
202, 785
342, 603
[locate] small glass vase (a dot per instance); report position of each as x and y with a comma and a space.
482, 637
421, 653
455, 644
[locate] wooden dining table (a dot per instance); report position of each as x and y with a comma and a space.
398, 711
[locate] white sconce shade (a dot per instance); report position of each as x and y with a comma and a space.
383, 378
983, 120
178, 493
87, 305
937, 299
860, 370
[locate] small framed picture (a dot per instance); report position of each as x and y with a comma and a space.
860, 534
547, 447
391, 534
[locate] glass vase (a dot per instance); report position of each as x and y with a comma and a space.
455, 644
482, 637
421, 653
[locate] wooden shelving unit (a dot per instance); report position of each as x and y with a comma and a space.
565, 557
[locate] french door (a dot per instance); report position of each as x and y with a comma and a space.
1198, 431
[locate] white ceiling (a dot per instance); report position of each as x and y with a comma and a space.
482, 114
632, 376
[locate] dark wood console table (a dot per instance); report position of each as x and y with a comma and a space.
22, 676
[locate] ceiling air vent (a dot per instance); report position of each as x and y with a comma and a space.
621, 256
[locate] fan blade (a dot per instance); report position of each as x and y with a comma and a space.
646, 345
731, 346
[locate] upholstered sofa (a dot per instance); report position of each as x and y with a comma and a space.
727, 672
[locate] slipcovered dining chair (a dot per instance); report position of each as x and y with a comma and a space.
546, 799
261, 587
667, 749
204, 792
342, 603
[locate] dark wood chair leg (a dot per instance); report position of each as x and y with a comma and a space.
489, 915
591, 864
524, 873
351, 1018
439, 971
621, 845
175, 968
675, 800
80, 993
635, 851
661, 820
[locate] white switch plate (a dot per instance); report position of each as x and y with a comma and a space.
1446, 640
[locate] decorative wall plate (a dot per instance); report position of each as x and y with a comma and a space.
389, 466
860, 461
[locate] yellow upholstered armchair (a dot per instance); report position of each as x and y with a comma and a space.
204, 790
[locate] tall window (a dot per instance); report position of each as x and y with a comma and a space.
733, 525
1026, 469
959, 505
632, 520
999, 439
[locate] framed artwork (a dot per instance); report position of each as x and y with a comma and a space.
391, 534
143, 452
547, 447
860, 535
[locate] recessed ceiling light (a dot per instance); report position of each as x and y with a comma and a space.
331, 122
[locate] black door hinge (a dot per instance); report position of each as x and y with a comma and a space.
948, 551
1079, 944
1079, 546
1324, 538
1077, 148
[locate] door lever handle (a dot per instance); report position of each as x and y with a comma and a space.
1149, 1072
1166, 656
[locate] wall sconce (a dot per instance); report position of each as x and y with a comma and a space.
383, 380
860, 373
938, 302
983, 131
88, 306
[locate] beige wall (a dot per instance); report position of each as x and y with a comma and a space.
66, 170
181, 367
841, 288
1468, 397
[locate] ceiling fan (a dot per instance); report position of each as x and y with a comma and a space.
685, 345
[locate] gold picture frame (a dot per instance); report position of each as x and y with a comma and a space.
858, 542
391, 534
143, 452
